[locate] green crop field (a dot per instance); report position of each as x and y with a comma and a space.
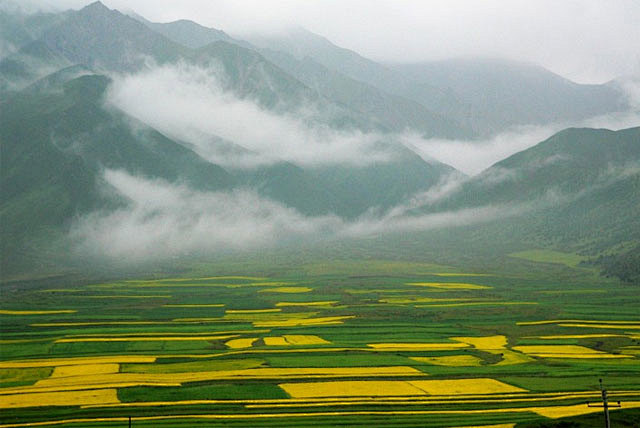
364, 343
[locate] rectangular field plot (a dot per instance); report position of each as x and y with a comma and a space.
564, 351
362, 388
318, 348
397, 388
464, 386
62, 398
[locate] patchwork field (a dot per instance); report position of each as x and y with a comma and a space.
415, 346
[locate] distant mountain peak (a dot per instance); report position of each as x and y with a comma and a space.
95, 7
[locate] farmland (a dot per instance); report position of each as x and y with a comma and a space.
364, 343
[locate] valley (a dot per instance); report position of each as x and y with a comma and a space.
263, 228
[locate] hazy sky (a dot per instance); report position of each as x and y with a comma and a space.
587, 41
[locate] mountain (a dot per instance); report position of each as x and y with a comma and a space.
576, 191
568, 163
487, 96
189, 33
57, 138
388, 112
510, 93
391, 112
95, 37
18, 28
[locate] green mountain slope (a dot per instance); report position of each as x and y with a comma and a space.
569, 162
56, 143
577, 192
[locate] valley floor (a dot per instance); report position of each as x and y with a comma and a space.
362, 343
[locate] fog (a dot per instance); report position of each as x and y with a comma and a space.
188, 103
474, 156
165, 220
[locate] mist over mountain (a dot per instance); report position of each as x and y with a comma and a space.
133, 140
486, 95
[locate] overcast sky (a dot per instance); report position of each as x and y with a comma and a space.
588, 41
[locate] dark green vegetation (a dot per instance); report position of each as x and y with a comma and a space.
576, 192
143, 318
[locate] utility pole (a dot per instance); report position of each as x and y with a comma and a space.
129, 421
605, 405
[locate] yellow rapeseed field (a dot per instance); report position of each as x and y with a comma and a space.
484, 343
418, 346
86, 369
404, 300
275, 341
251, 311
304, 321
351, 388
203, 305
56, 362
459, 274
123, 380
564, 351
264, 316
64, 398
451, 360
321, 303
170, 333
464, 386
495, 345
286, 290
144, 339
28, 312
450, 285
607, 326
245, 342
305, 339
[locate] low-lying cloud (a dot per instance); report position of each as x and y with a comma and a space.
188, 102
474, 156
164, 220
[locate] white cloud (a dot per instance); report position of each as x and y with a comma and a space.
473, 156
164, 220
187, 102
